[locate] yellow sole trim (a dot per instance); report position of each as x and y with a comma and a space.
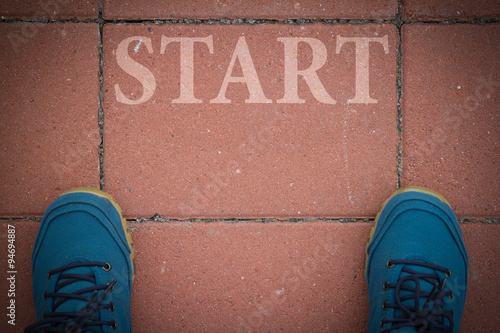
125, 226
403, 190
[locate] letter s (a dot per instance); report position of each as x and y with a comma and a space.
133, 68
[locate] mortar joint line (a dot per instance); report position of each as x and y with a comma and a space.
397, 20
161, 219
24, 218
399, 92
100, 111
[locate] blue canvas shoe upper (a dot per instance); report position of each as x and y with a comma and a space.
416, 265
82, 266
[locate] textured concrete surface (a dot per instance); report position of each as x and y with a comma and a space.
451, 119
49, 90
292, 277
256, 148
257, 9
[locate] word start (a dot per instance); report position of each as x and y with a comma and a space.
242, 53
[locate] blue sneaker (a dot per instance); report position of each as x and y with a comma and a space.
416, 265
82, 265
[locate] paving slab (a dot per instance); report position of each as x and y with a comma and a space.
257, 9
250, 121
49, 92
250, 277
451, 132
260, 277
276, 277
461, 10
49, 9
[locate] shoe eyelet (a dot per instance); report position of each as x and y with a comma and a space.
107, 268
389, 264
384, 305
112, 287
448, 274
112, 307
385, 287
49, 276
451, 295
45, 295
113, 325
382, 324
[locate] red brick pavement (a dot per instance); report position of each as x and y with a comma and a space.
187, 122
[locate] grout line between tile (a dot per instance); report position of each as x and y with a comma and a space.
290, 220
14, 219
160, 219
399, 93
100, 116
250, 21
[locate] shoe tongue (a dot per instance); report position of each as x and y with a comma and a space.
425, 286
73, 305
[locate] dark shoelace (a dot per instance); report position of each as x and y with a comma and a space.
83, 320
421, 317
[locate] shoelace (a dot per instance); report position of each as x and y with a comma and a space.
423, 318
83, 320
